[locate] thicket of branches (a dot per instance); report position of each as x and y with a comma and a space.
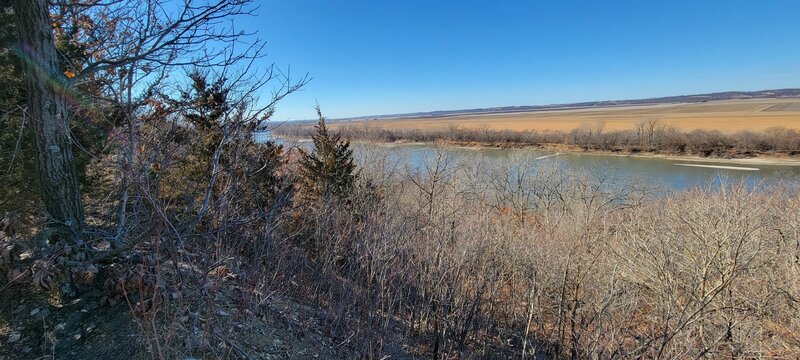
647, 135
185, 212
526, 258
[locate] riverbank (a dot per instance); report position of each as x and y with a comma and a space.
770, 159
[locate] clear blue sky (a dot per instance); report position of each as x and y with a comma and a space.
380, 57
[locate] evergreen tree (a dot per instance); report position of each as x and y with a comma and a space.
208, 109
329, 169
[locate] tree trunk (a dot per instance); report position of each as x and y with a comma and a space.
47, 106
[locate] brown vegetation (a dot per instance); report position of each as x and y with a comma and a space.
646, 136
727, 116
578, 264
483, 260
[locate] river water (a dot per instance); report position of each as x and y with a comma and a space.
671, 174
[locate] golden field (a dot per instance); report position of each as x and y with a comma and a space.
727, 116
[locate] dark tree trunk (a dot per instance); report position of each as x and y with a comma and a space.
49, 114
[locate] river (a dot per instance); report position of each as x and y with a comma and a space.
669, 173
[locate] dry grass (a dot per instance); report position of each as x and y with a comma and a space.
727, 116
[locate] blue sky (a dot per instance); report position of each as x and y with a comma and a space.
381, 57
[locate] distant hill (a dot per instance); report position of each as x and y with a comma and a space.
728, 95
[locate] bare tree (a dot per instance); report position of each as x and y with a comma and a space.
646, 131
128, 51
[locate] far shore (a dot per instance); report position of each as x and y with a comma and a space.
760, 159
727, 116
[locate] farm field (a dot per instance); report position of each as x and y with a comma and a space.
727, 116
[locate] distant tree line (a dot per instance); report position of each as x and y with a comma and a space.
648, 135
